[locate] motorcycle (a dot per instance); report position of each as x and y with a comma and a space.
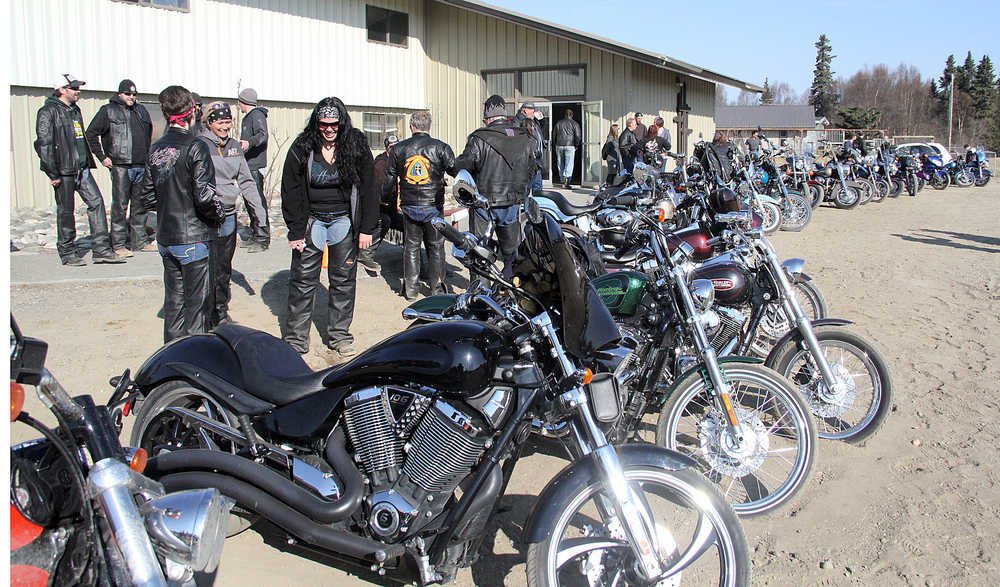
868, 171
795, 210
366, 459
844, 193
674, 370
933, 171
960, 174
97, 521
980, 171
908, 169
799, 171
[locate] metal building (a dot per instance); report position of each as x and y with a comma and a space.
384, 58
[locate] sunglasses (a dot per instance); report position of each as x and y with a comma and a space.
128, 93
333, 125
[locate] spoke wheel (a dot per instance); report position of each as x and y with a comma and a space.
699, 535
796, 213
858, 409
846, 199
767, 467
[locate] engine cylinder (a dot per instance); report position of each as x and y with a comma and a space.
369, 421
445, 447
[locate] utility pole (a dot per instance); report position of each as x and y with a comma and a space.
951, 106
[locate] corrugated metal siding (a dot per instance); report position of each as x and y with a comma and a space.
273, 46
461, 44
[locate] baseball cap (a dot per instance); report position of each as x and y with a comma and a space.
67, 81
390, 140
528, 105
639, 115
126, 86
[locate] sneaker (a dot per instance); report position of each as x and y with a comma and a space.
123, 253
344, 348
111, 259
256, 248
149, 247
74, 261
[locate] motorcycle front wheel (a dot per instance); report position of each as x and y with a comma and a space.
982, 181
895, 188
772, 217
845, 199
696, 520
940, 181
867, 191
882, 189
818, 194
770, 463
964, 179
796, 213
856, 413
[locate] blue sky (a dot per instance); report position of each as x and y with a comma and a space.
749, 40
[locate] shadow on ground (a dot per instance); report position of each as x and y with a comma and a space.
953, 239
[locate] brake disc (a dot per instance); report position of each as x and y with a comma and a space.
724, 454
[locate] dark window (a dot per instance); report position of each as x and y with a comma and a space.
378, 125
387, 26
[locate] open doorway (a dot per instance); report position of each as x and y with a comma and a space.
558, 113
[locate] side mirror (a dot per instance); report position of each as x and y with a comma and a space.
533, 211
466, 192
27, 356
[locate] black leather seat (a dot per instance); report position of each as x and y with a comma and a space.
568, 208
272, 370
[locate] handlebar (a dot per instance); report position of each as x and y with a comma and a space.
459, 239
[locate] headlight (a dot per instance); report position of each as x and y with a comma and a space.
189, 527
703, 293
793, 266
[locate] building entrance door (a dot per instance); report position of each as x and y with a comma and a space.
593, 138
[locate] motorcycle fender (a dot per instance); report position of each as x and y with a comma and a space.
721, 360
429, 308
773, 355
582, 472
208, 363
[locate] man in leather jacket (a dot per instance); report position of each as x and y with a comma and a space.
501, 158
420, 163
253, 141
568, 137
119, 135
179, 183
67, 160
628, 145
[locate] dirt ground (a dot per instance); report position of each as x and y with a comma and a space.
918, 505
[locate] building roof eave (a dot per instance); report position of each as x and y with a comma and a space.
654, 59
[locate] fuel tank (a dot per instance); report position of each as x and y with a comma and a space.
458, 358
621, 291
697, 237
730, 281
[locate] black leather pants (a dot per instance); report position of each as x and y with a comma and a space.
124, 198
342, 272
413, 234
260, 228
508, 238
66, 221
187, 299
223, 249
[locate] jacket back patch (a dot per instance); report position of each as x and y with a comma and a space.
417, 170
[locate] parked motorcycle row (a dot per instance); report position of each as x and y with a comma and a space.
655, 333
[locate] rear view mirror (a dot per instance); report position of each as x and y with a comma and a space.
533, 211
27, 356
466, 192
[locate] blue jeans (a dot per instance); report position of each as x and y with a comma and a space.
536, 184
566, 159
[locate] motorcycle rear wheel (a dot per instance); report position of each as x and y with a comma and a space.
687, 499
796, 213
158, 431
850, 356
983, 181
771, 464
964, 179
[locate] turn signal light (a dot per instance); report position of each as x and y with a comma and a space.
16, 400
138, 461
661, 214
588, 376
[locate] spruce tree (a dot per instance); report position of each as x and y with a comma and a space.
767, 96
965, 76
943, 93
822, 94
983, 89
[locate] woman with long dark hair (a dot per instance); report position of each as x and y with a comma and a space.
328, 199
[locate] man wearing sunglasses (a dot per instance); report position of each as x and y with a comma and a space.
119, 136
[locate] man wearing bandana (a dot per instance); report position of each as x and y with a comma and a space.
179, 183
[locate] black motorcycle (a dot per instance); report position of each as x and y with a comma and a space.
97, 521
366, 460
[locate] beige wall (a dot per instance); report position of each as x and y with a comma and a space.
29, 187
461, 44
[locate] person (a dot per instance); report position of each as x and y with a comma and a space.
327, 199
628, 144
500, 156
970, 155
179, 182
612, 155
420, 163
664, 132
527, 117
119, 136
753, 144
640, 128
66, 159
253, 141
654, 146
195, 129
717, 158
232, 179
568, 138
389, 216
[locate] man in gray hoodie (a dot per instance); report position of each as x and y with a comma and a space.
232, 179
253, 141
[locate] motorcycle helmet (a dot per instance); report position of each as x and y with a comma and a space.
723, 200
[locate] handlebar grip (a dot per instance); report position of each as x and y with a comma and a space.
451, 233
